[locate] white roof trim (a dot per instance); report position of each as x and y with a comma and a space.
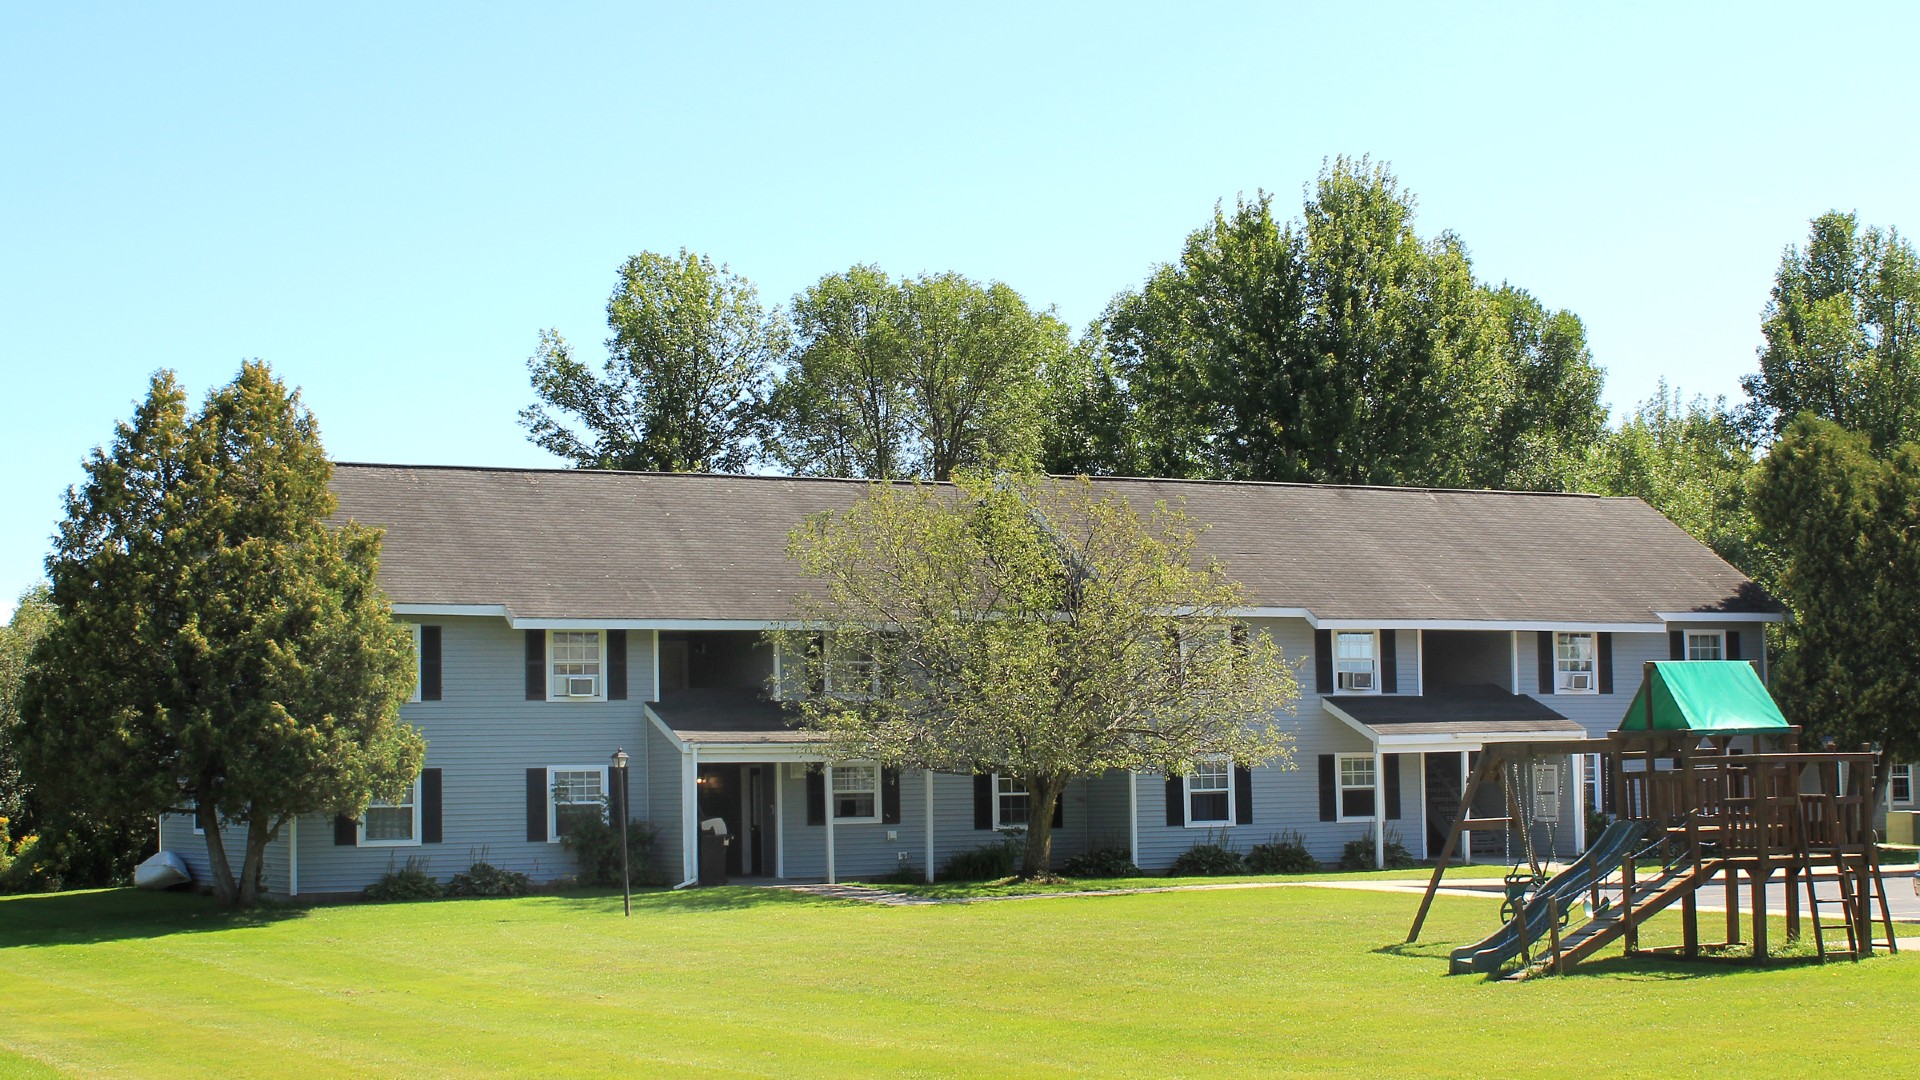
1722, 616
1464, 741
678, 743
498, 611
1371, 735
501, 611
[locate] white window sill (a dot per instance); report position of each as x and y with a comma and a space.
856, 821
1209, 824
1576, 693
389, 843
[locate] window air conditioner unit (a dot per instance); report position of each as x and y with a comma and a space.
1359, 680
1580, 681
580, 685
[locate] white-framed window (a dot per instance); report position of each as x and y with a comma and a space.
1012, 807
856, 792
1354, 653
1900, 786
1357, 787
1210, 794
575, 671
1706, 645
1574, 671
415, 696
850, 674
392, 824
574, 792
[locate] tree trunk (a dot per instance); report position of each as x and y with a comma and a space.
1042, 793
223, 889
258, 833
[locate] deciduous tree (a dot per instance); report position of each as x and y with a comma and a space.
221, 648
1026, 627
686, 371
1843, 335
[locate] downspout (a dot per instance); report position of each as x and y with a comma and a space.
1133, 816
928, 774
293, 857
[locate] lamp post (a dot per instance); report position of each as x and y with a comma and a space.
620, 782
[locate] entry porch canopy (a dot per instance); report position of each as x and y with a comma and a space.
730, 727
1450, 720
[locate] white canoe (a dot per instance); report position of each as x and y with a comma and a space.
162, 871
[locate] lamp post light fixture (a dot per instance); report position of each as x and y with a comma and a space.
620, 785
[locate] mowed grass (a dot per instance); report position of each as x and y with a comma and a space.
751, 982
973, 890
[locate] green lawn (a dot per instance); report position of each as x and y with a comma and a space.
754, 982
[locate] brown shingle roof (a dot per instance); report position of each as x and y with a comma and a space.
567, 544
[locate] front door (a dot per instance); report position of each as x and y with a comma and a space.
1443, 798
720, 798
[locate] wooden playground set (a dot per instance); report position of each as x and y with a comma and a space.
1704, 783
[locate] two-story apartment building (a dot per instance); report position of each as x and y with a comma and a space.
562, 615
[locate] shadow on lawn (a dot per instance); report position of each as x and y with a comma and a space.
85, 918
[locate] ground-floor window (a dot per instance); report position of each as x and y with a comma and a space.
1210, 794
1900, 788
392, 823
856, 793
1357, 785
1011, 805
577, 793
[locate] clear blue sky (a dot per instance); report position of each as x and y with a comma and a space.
387, 202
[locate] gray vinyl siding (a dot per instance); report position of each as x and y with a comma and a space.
864, 850
663, 800
483, 735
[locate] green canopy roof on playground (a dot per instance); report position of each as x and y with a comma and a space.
1719, 697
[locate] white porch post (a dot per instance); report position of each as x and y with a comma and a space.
1466, 838
779, 820
928, 782
690, 813
293, 856
1133, 816
829, 783
1379, 808
1579, 803
1424, 828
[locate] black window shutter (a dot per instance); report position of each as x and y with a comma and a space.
1391, 763
1733, 644
1323, 661
1389, 663
1676, 644
1329, 790
982, 801
1059, 810
345, 831
537, 667
1242, 795
1176, 800
616, 665
1544, 656
890, 796
1603, 658
816, 797
429, 663
536, 801
430, 806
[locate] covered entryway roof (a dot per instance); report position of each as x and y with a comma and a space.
727, 717
1453, 718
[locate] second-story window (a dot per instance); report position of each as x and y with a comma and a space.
575, 665
1706, 645
1353, 662
1573, 666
